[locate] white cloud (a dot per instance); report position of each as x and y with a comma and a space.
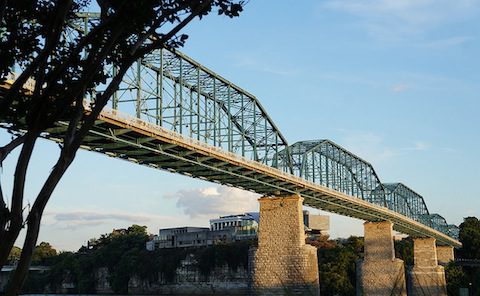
398, 88
368, 145
372, 148
448, 42
436, 82
403, 17
418, 146
86, 218
68, 229
261, 64
214, 201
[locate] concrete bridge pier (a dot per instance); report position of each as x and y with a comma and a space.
283, 264
428, 278
445, 254
381, 273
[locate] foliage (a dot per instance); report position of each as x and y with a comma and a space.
404, 250
456, 278
168, 261
36, 282
337, 264
321, 242
14, 255
42, 253
123, 253
470, 238
58, 67
234, 255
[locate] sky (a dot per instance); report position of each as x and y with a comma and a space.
395, 82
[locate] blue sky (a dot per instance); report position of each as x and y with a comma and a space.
395, 82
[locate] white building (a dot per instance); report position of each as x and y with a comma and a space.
227, 229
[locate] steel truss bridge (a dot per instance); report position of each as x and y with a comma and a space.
174, 114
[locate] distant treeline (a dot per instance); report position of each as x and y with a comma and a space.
123, 254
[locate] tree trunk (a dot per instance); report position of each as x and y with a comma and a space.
4, 211
16, 214
33, 228
34, 219
4, 215
42, 118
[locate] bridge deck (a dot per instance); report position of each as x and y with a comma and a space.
123, 136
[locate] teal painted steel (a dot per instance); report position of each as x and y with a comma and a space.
226, 116
171, 90
328, 164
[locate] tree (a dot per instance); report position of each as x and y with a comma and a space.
42, 252
470, 237
456, 278
404, 250
14, 255
64, 72
336, 264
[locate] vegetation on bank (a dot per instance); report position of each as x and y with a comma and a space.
337, 264
466, 276
123, 253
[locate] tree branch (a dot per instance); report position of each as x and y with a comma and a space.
16, 282
100, 102
50, 44
4, 214
16, 213
159, 43
93, 65
5, 150
156, 24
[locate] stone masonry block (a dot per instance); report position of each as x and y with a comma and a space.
383, 277
428, 278
381, 273
445, 254
379, 241
282, 263
424, 252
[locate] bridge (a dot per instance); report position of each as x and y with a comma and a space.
172, 113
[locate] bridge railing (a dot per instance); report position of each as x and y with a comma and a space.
140, 123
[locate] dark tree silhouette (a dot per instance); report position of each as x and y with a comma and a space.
60, 73
470, 238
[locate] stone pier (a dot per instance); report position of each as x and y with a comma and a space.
445, 255
283, 264
381, 273
428, 278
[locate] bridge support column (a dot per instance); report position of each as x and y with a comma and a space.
428, 278
445, 255
283, 264
381, 273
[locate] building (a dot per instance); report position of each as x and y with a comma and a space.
315, 225
227, 229
179, 237
239, 227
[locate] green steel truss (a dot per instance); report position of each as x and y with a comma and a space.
173, 91
170, 90
326, 163
407, 202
